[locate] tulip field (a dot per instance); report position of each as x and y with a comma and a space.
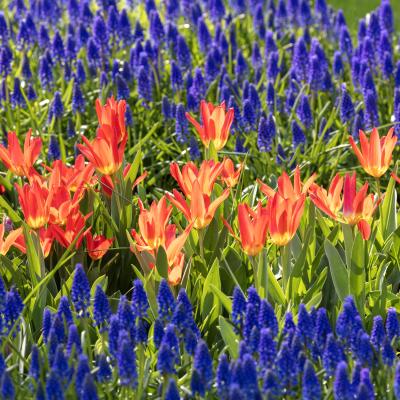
199, 200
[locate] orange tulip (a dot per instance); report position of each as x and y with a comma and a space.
113, 115
228, 174
216, 124
35, 200
62, 205
74, 227
72, 177
105, 152
206, 176
97, 245
376, 154
155, 232
284, 217
285, 187
152, 225
17, 161
201, 210
13, 239
353, 208
253, 227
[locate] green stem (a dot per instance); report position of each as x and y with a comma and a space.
285, 261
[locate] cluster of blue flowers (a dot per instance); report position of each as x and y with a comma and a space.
272, 76
87, 351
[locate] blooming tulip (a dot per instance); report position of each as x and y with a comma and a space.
353, 208
113, 115
152, 225
376, 154
105, 152
35, 200
216, 124
206, 175
201, 210
17, 161
97, 245
229, 175
284, 217
285, 187
252, 227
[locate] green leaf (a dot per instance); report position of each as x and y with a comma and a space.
134, 168
210, 304
338, 270
295, 276
162, 262
388, 210
357, 271
275, 289
102, 280
230, 338
224, 299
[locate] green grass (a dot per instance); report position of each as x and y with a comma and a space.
356, 9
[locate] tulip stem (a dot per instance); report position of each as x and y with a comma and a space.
285, 261
201, 242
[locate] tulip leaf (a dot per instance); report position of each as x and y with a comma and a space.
210, 303
275, 289
224, 299
338, 270
357, 271
388, 210
162, 262
229, 336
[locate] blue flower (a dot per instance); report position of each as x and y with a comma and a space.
100, 32
57, 47
345, 43
57, 107
223, 376
7, 389
54, 149
267, 348
13, 308
54, 390
203, 35
104, 372
202, 363
333, 354
124, 26
363, 350
377, 332
183, 53
298, 136
127, 363
34, 367
271, 386
388, 354
17, 99
101, 307
145, 86
267, 318
78, 101
89, 390
46, 324
73, 341
181, 124
392, 324
341, 385
81, 371
304, 112
241, 65
156, 27
311, 387
337, 65
300, 59
60, 365
64, 310
197, 384
123, 91
166, 359
347, 111
80, 290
